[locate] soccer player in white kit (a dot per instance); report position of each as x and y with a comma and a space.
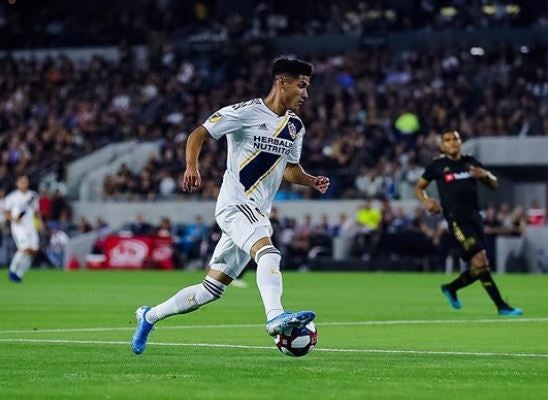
264, 138
21, 209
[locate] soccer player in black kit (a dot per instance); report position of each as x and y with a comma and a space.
456, 177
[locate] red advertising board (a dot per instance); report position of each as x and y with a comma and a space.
139, 252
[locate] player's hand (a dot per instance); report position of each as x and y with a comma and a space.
191, 179
432, 206
321, 184
478, 172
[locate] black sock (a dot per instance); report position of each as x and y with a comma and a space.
463, 280
491, 288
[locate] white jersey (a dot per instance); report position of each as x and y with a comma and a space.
18, 203
260, 144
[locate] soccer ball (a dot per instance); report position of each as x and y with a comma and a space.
297, 342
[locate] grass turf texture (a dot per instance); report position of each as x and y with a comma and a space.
98, 364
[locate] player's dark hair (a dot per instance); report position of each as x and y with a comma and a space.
446, 131
291, 66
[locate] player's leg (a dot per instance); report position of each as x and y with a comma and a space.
192, 297
270, 284
269, 277
184, 301
250, 230
27, 244
479, 266
14, 266
467, 277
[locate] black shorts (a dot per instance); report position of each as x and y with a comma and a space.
469, 235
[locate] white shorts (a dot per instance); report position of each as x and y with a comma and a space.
242, 226
25, 237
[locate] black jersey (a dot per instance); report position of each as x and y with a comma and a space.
458, 190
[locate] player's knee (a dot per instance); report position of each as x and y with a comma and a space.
210, 291
479, 267
269, 256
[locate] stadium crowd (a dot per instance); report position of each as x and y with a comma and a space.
90, 23
379, 234
372, 116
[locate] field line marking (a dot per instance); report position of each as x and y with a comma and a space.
246, 347
501, 320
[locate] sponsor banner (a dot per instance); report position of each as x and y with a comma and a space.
138, 252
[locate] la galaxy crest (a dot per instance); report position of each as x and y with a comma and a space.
292, 130
216, 117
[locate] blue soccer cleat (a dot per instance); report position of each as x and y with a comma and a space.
288, 320
14, 277
510, 311
452, 297
140, 337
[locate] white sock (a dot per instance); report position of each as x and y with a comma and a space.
24, 264
20, 263
187, 300
269, 280
14, 265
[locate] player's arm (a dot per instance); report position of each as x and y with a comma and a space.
484, 176
8, 217
191, 178
428, 203
294, 173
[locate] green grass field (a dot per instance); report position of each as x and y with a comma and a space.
381, 336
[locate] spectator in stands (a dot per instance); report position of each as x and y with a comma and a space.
368, 217
58, 240
369, 221
536, 215
83, 225
492, 227
192, 238
165, 229
141, 226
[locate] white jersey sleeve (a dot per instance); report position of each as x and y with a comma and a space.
8, 203
294, 156
223, 122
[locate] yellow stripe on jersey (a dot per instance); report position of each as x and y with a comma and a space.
252, 188
255, 153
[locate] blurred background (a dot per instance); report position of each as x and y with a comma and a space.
97, 99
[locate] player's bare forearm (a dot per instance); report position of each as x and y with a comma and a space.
420, 190
7, 216
194, 145
294, 173
490, 181
195, 141
428, 203
485, 177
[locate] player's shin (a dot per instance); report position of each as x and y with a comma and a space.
269, 280
187, 300
466, 278
491, 288
20, 263
14, 265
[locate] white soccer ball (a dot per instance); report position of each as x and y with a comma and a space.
298, 342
